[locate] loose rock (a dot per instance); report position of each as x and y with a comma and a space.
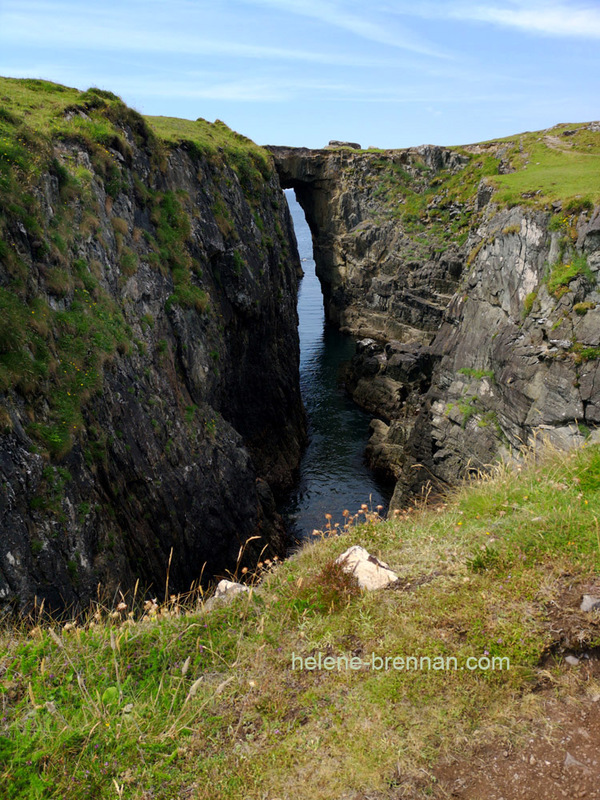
370, 572
590, 603
225, 592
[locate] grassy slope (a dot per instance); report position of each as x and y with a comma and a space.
58, 356
546, 167
212, 138
42, 105
559, 167
208, 700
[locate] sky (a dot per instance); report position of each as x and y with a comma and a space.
383, 73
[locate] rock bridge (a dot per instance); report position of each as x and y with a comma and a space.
373, 280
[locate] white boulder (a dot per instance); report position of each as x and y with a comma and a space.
370, 572
225, 591
590, 603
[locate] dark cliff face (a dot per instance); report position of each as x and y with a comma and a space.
480, 312
149, 355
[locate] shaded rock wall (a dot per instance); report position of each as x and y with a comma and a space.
195, 419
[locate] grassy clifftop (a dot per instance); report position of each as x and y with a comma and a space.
54, 111
560, 166
211, 704
58, 353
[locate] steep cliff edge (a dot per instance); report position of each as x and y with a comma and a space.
473, 273
149, 393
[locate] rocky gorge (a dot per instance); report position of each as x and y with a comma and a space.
150, 408
476, 302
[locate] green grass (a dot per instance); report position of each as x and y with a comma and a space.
168, 701
215, 140
406, 195
544, 171
581, 309
570, 174
69, 347
40, 101
528, 303
478, 374
562, 274
54, 359
468, 407
583, 354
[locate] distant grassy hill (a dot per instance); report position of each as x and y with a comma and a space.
166, 703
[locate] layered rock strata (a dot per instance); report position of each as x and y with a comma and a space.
478, 319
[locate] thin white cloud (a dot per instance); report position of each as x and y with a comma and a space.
245, 90
43, 32
542, 17
337, 15
194, 87
266, 88
553, 19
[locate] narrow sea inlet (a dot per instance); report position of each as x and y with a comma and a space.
333, 472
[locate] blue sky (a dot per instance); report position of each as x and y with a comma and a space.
388, 73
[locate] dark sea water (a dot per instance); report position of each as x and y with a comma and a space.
333, 474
